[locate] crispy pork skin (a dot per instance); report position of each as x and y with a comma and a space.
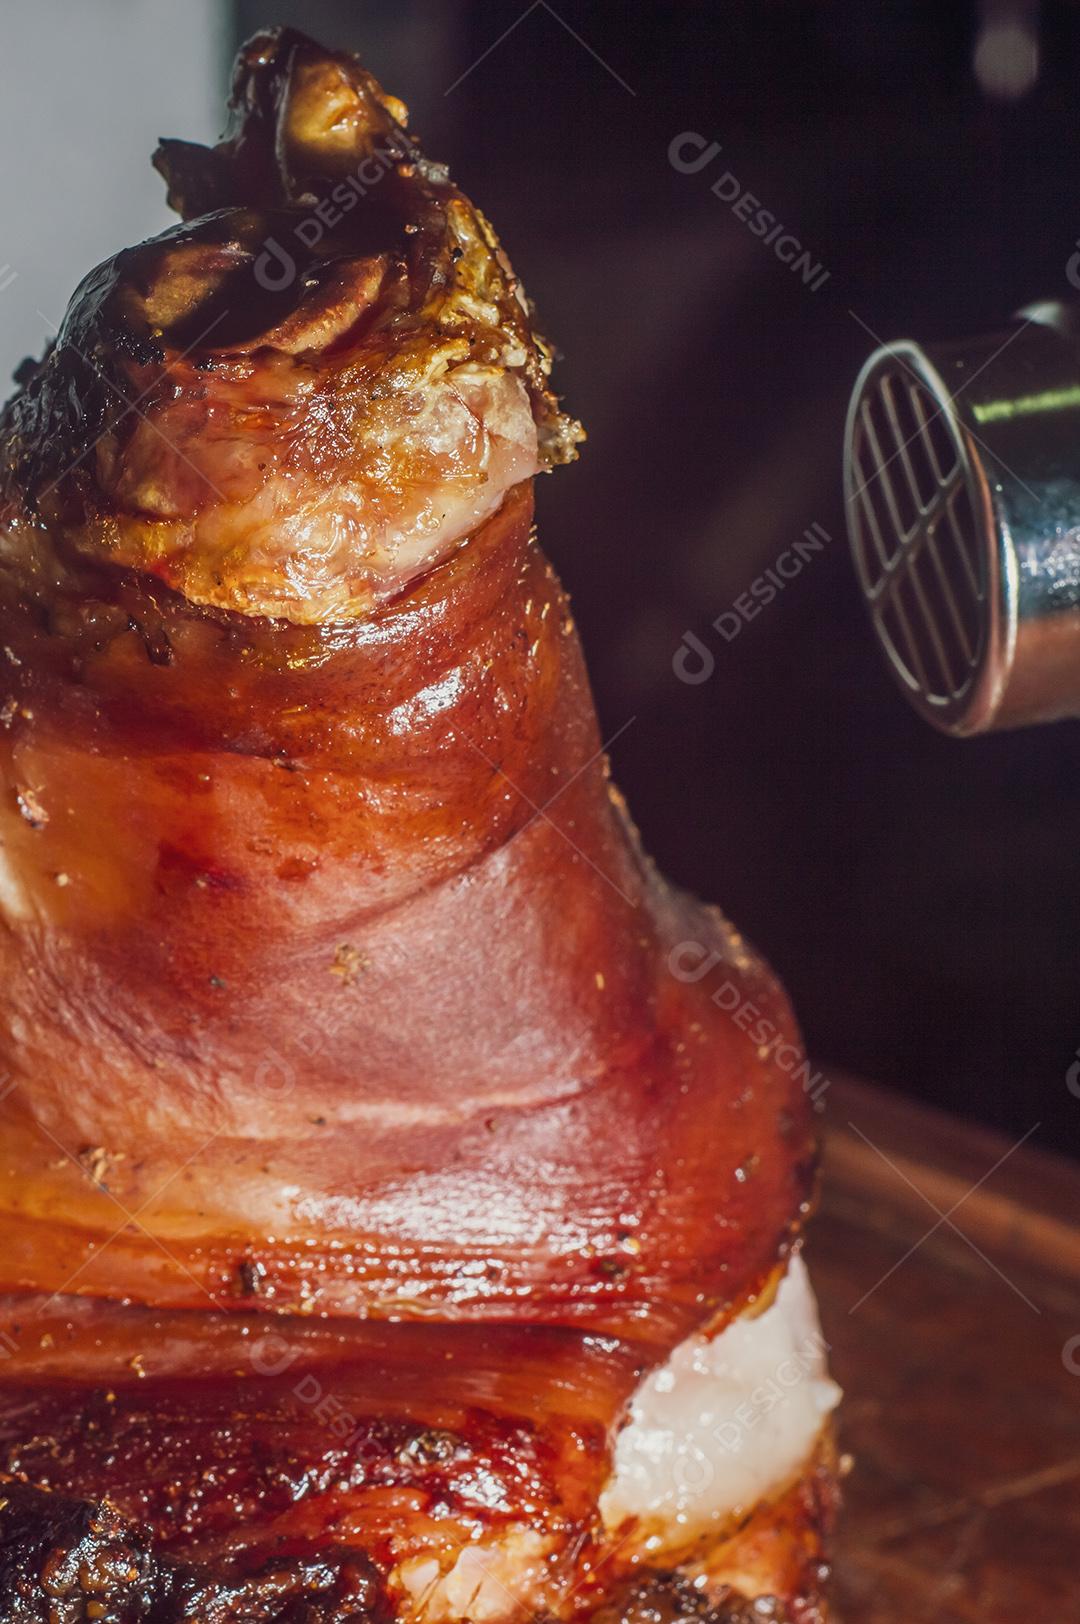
383, 1138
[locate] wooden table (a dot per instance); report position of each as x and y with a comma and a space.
958, 1344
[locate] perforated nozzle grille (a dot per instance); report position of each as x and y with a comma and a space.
916, 533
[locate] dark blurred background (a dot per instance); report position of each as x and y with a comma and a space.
920, 897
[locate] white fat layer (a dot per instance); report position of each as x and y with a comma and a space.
725, 1422
485, 1583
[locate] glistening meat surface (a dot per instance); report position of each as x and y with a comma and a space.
373, 1120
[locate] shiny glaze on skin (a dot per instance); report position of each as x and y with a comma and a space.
238, 1434
240, 1441
318, 972
348, 1036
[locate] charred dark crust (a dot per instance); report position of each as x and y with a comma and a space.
70, 1561
671, 1598
67, 1561
259, 161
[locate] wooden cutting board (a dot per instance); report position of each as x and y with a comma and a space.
957, 1341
